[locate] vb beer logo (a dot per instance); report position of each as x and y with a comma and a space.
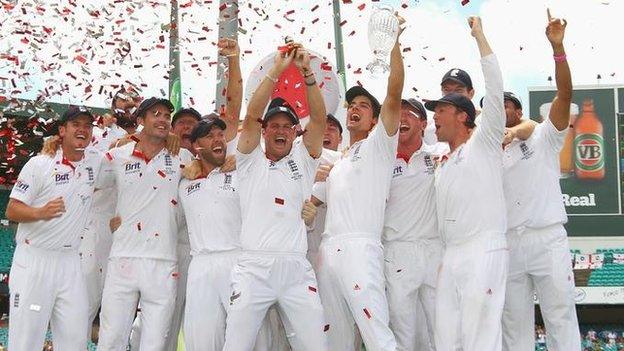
589, 152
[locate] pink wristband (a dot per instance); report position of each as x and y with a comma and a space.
560, 58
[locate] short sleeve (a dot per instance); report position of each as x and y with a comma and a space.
245, 162
27, 186
319, 191
551, 136
382, 143
106, 176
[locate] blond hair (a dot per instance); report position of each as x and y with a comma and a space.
51, 146
192, 170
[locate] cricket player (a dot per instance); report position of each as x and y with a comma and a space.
50, 201
471, 214
412, 246
539, 258
330, 155
351, 276
143, 262
274, 185
97, 237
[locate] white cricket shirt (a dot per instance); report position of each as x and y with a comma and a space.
45, 178
147, 197
272, 196
469, 184
531, 179
358, 186
315, 230
411, 209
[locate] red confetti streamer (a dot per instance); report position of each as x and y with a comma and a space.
279, 201
161, 173
464, 2
368, 315
326, 327
174, 202
362, 6
139, 226
311, 288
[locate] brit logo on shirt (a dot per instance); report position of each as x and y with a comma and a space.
398, 171
132, 167
61, 178
294, 169
526, 152
21, 186
193, 188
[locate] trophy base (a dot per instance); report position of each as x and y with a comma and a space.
378, 68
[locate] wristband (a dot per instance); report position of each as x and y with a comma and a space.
274, 80
560, 58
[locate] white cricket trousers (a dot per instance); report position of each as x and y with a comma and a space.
471, 294
47, 287
130, 281
411, 270
352, 286
208, 300
94, 248
261, 279
539, 261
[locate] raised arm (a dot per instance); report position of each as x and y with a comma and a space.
313, 137
250, 135
229, 48
560, 109
493, 118
391, 107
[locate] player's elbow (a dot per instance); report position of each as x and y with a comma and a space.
11, 213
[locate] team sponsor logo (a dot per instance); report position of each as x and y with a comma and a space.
168, 161
193, 188
272, 165
398, 171
21, 186
61, 178
133, 167
294, 169
526, 152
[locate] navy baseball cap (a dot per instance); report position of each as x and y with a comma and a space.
356, 91
146, 104
417, 105
507, 96
332, 118
74, 112
186, 111
457, 100
279, 105
459, 76
204, 126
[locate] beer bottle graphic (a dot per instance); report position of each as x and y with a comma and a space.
589, 144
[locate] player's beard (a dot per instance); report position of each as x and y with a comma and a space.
208, 157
